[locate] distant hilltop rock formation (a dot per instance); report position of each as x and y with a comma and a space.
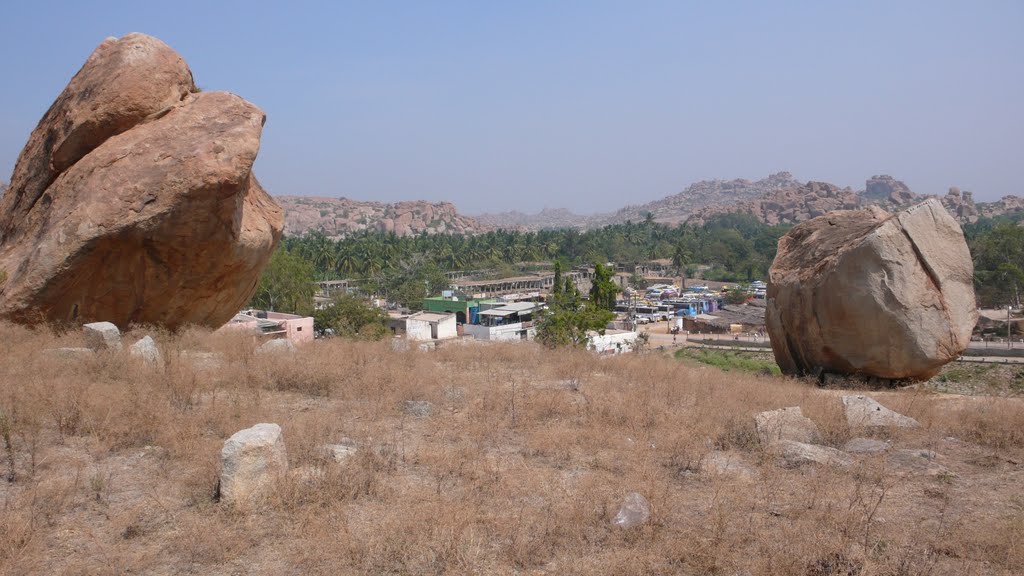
706, 195
339, 217
134, 200
546, 219
778, 199
699, 196
802, 202
866, 292
887, 190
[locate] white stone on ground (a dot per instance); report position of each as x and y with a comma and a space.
145, 349
865, 411
341, 451
786, 424
250, 461
635, 510
102, 336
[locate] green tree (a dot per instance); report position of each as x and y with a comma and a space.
412, 281
568, 326
999, 264
350, 317
602, 289
736, 296
556, 286
286, 284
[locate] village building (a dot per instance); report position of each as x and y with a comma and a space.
427, 326
731, 318
271, 325
612, 341
500, 321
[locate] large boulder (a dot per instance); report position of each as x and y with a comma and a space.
134, 200
872, 293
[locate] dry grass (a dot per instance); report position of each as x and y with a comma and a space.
519, 470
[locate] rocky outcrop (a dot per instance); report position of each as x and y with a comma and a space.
872, 293
339, 217
790, 205
887, 190
1006, 205
800, 202
134, 200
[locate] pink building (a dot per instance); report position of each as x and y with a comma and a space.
273, 325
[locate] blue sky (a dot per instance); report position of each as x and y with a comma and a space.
585, 105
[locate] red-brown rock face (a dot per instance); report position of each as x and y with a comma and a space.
134, 200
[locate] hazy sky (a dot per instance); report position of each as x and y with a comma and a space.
587, 105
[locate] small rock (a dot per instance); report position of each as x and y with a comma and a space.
275, 346
146, 350
250, 460
340, 452
399, 344
794, 454
635, 510
102, 336
786, 424
343, 450
865, 446
419, 408
865, 411
69, 353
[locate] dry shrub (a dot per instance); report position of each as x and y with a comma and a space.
993, 422
520, 468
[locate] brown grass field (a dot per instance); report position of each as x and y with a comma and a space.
110, 467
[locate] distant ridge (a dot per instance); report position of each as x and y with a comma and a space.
777, 199
339, 217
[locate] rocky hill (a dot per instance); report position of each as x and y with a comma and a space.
777, 199
338, 217
546, 219
697, 197
801, 202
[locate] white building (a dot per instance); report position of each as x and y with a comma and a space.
423, 326
612, 341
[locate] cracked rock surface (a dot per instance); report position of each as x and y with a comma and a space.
872, 293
